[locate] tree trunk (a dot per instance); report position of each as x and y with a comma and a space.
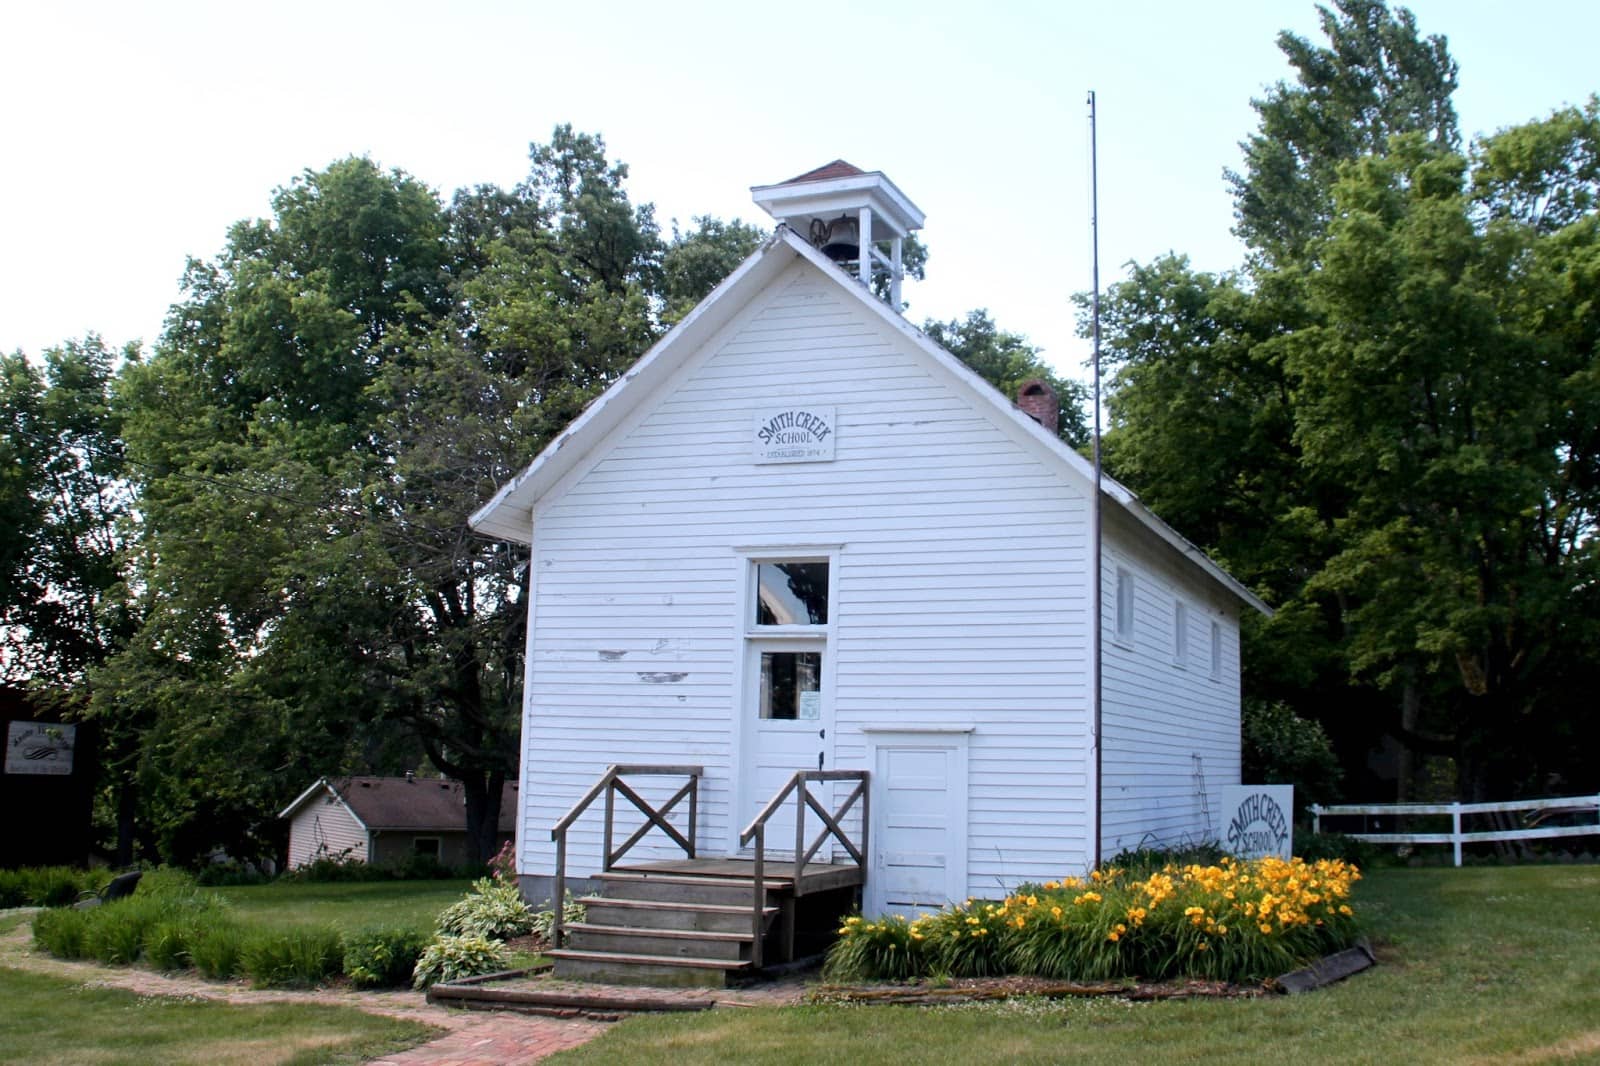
482, 792
127, 810
1410, 712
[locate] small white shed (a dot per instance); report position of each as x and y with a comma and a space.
799, 534
385, 821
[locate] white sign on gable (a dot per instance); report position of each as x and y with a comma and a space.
797, 434
1258, 820
37, 748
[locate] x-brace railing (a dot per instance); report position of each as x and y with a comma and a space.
804, 799
611, 785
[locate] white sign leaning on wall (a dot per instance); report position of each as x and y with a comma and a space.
1258, 820
795, 434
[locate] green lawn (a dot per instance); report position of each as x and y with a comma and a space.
350, 905
1477, 965
47, 1020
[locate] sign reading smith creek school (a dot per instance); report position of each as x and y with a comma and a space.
797, 434
1258, 820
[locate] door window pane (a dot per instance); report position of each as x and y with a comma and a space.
792, 594
791, 685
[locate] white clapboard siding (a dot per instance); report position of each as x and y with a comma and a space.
324, 828
1158, 713
960, 596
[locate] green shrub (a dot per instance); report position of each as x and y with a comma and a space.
1313, 846
61, 932
383, 958
494, 910
13, 889
214, 949
450, 958
60, 886
330, 869
420, 868
166, 946
116, 931
572, 912
1279, 747
293, 957
167, 881
1145, 861
229, 874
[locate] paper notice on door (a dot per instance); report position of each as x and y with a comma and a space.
811, 705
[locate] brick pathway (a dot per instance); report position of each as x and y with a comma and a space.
493, 1037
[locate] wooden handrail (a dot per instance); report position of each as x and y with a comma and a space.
757, 829
610, 784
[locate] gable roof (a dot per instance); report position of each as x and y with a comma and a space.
509, 513
407, 804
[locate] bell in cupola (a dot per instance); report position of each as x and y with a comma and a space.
852, 216
839, 240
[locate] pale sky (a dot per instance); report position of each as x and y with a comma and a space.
134, 134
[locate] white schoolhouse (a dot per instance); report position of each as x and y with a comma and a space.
798, 534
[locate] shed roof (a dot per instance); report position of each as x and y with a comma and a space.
409, 804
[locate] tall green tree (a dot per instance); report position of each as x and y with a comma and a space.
342, 387
1375, 77
1383, 422
67, 514
64, 505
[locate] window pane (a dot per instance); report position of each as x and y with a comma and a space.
792, 594
791, 684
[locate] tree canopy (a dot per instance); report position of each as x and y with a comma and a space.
1383, 422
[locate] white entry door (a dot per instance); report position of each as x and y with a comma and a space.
786, 711
919, 830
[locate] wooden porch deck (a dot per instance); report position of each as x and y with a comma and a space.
778, 874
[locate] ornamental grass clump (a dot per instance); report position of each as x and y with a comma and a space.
1232, 921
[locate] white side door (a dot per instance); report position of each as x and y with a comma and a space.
919, 822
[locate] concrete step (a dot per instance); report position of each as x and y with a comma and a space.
676, 943
677, 888
657, 914
637, 969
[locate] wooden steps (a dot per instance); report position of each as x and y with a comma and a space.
667, 929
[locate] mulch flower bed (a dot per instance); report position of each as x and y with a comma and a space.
980, 989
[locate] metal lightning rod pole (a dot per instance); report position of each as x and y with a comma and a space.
1097, 578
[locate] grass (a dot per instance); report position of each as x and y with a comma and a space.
48, 1020
1478, 965
349, 905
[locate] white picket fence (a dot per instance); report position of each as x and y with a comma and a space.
1535, 811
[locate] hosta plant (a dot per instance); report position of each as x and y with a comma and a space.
450, 958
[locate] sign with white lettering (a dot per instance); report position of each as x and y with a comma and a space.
797, 434
40, 748
1258, 820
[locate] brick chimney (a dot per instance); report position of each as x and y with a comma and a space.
1038, 400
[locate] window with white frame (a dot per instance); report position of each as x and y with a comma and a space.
1216, 651
791, 602
1125, 594
1180, 633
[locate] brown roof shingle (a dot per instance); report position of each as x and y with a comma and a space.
417, 804
836, 169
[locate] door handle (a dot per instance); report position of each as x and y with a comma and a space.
819, 760
823, 733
